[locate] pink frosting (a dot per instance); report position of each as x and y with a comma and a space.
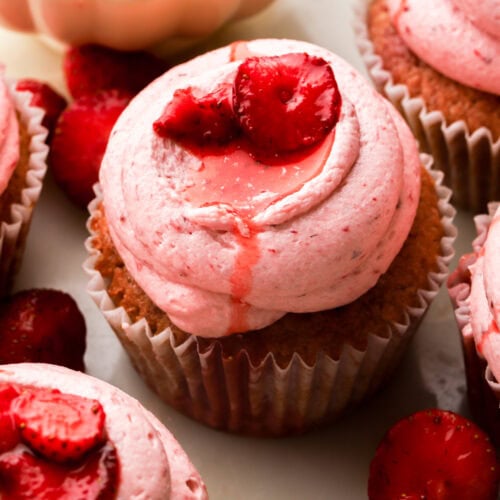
9, 135
215, 271
459, 38
484, 299
152, 463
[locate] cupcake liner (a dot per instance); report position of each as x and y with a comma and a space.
482, 388
13, 232
470, 161
235, 394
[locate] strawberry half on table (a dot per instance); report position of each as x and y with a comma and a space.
434, 455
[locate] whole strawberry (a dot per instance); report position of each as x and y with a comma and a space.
80, 140
40, 325
91, 68
434, 455
46, 98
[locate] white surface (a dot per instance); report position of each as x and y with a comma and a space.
324, 464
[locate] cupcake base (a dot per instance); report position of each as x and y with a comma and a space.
453, 123
302, 371
23, 191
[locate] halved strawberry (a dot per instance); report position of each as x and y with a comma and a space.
9, 436
436, 455
91, 68
200, 119
46, 98
286, 103
61, 427
40, 325
80, 140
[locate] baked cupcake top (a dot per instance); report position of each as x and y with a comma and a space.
137, 456
484, 298
459, 38
229, 238
9, 135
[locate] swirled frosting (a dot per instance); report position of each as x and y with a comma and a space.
152, 463
484, 298
235, 257
9, 135
459, 38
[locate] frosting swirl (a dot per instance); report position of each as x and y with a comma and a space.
235, 265
137, 435
484, 298
459, 38
9, 135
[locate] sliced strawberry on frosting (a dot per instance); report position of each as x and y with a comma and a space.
436, 455
24, 476
9, 435
205, 119
61, 427
286, 103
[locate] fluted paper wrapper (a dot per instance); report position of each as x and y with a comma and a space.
470, 162
483, 388
235, 394
13, 232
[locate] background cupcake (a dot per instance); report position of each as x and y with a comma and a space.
22, 168
88, 438
438, 64
285, 372
474, 289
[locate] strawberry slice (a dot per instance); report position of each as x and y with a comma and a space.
436, 455
200, 119
9, 436
24, 476
91, 68
286, 103
80, 139
41, 325
46, 98
61, 427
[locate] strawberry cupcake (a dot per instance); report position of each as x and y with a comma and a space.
22, 168
265, 239
474, 289
439, 64
68, 435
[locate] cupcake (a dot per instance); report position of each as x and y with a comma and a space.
171, 24
264, 264
67, 434
22, 168
474, 289
439, 64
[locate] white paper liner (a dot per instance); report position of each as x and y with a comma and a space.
471, 162
13, 232
483, 388
234, 394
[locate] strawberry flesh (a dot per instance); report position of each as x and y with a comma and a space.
46, 98
24, 476
61, 427
91, 68
9, 435
285, 103
436, 455
80, 140
201, 120
41, 325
